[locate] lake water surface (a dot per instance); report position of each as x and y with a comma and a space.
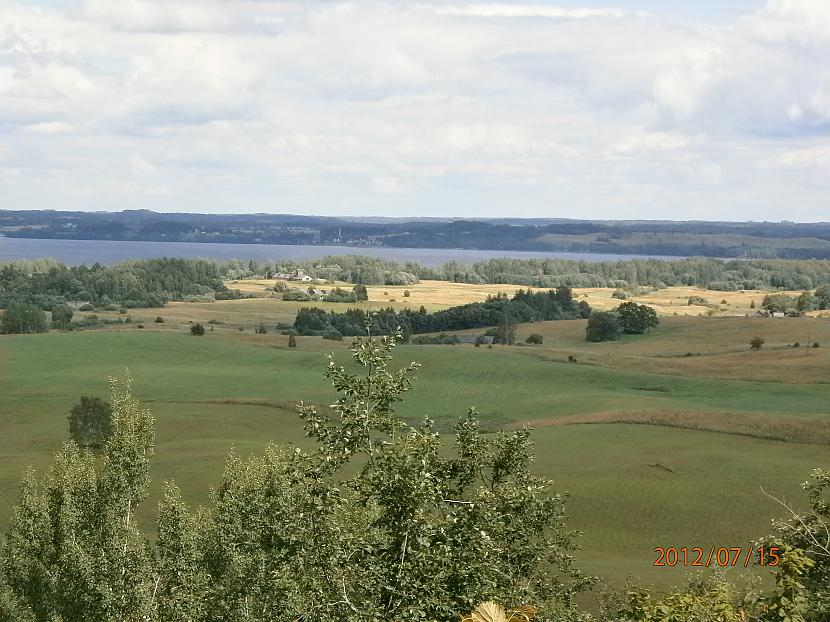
73, 252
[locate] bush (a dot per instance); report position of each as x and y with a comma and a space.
602, 326
198, 330
332, 335
619, 294
90, 422
261, 330
697, 301
86, 307
571, 358
140, 326
61, 316
159, 320
406, 293
756, 343
796, 345
292, 341
535, 339
816, 344
297, 295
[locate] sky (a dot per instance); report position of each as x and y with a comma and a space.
606, 109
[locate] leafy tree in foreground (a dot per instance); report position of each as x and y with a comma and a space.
90, 422
376, 523
73, 551
602, 326
22, 319
636, 319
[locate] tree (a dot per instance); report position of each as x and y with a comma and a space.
756, 343
23, 319
806, 302
73, 550
61, 316
535, 339
778, 303
822, 295
505, 332
602, 326
292, 341
636, 319
360, 292
198, 330
90, 422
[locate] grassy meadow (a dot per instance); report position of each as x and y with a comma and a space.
662, 440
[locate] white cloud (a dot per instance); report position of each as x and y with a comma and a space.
49, 127
398, 107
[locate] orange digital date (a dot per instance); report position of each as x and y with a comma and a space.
721, 556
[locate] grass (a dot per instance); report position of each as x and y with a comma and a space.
602, 424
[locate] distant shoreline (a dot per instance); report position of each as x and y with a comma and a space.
74, 252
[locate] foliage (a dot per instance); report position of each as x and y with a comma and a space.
340, 295
699, 301
602, 326
635, 318
292, 341
704, 598
756, 343
22, 319
197, 329
535, 339
297, 295
90, 422
360, 292
803, 578
442, 339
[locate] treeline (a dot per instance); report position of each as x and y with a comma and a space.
713, 274
524, 306
152, 282
47, 283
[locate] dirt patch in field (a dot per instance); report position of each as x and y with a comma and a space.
757, 426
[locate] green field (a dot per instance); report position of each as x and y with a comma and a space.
633, 487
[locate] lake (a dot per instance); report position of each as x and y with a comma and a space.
73, 252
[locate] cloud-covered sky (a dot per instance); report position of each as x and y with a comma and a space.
587, 109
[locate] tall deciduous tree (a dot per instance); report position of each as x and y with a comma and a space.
73, 550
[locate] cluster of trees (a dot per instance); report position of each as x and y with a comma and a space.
629, 318
147, 283
379, 521
524, 306
796, 305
